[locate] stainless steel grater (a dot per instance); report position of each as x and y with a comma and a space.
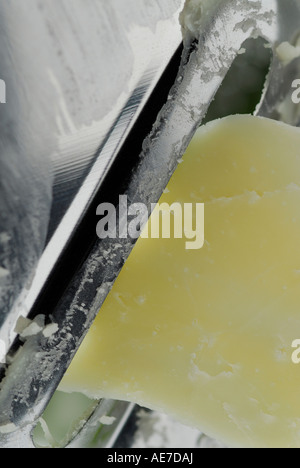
86, 84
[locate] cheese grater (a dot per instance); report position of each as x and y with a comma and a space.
105, 120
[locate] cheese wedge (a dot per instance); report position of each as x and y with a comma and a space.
206, 335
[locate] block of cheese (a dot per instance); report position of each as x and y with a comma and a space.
206, 335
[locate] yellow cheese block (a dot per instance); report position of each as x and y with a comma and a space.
206, 335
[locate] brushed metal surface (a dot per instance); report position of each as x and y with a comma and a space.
32, 377
70, 68
78, 73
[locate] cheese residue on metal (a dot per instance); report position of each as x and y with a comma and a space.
287, 52
192, 15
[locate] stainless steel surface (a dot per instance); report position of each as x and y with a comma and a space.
98, 435
277, 100
40, 363
78, 74
73, 70
26, 143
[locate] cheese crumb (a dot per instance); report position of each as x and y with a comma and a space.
107, 420
7, 428
50, 330
286, 52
